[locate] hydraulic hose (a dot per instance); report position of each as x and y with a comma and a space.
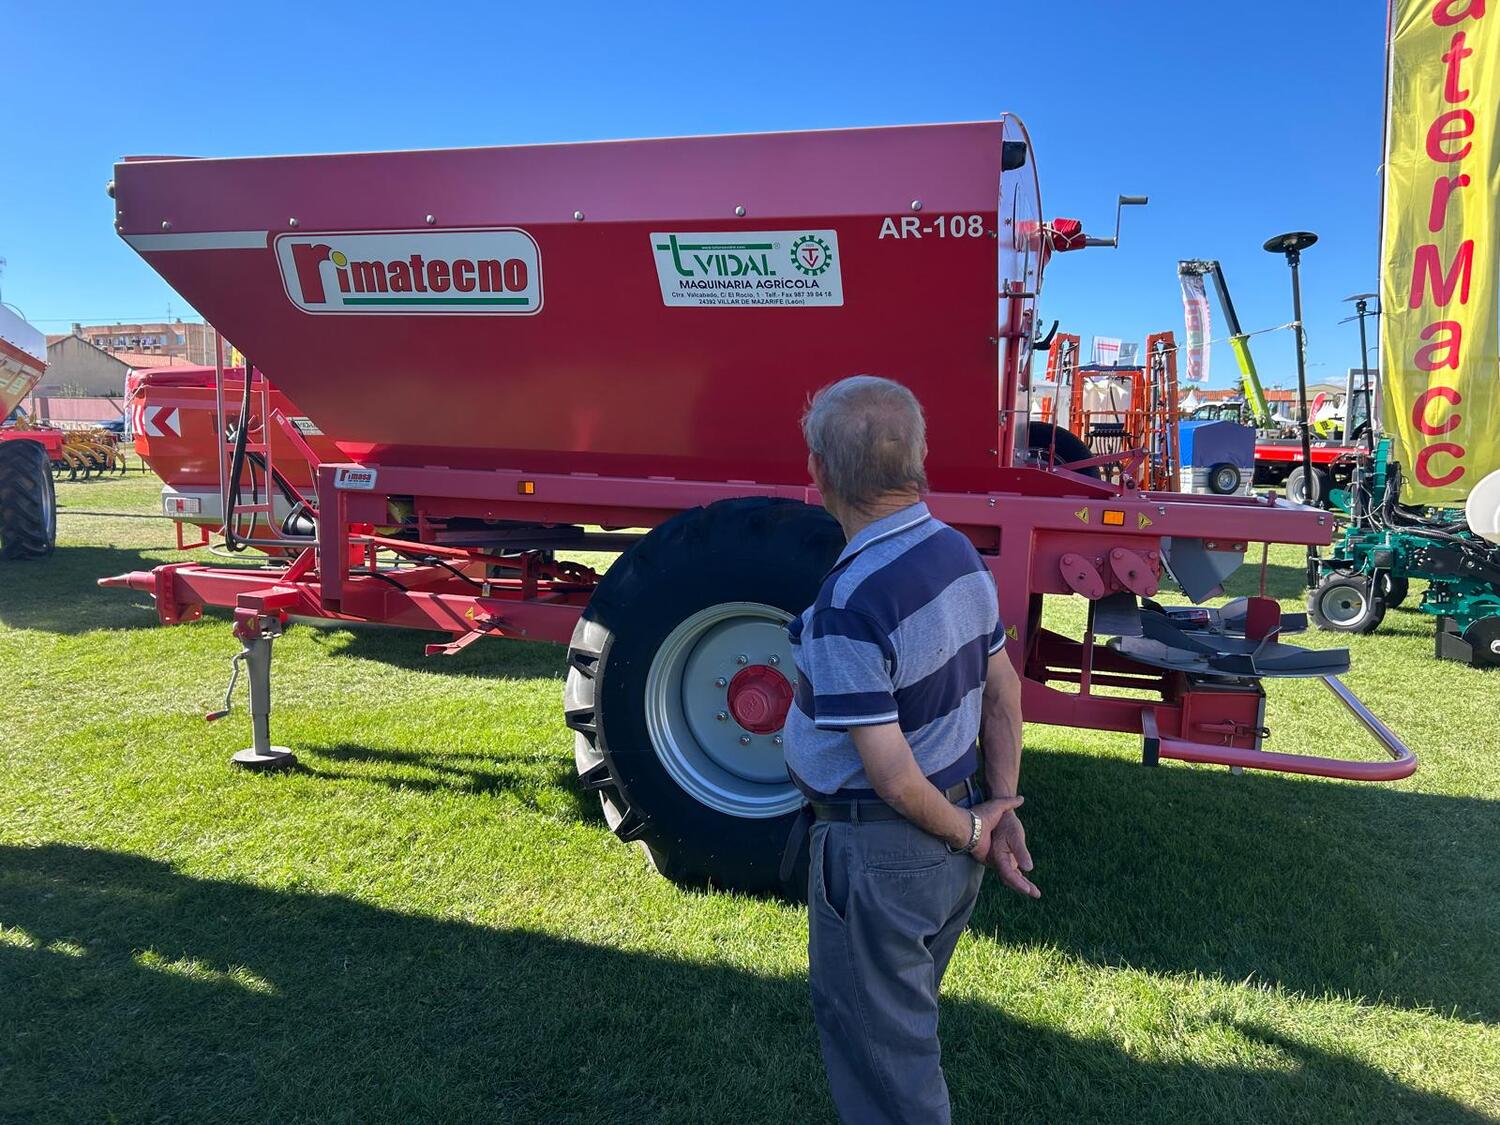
237, 466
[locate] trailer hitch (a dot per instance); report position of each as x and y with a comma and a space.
464, 640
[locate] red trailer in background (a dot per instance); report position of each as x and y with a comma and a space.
523, 351
28, 502
177, 418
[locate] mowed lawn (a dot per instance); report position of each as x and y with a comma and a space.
428, 921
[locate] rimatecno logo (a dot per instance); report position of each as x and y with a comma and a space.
413, 273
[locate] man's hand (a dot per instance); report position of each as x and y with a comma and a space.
1002, 844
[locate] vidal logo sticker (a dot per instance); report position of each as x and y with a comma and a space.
767, 268
413, 273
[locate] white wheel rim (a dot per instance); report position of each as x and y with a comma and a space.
1343, 605
714, 760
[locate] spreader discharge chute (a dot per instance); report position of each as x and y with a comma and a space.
522, 352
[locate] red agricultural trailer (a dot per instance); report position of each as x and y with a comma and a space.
177, 420
532, 350
28, 503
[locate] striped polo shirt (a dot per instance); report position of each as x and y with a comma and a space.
901, 631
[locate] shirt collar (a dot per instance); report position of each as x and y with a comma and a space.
886, 526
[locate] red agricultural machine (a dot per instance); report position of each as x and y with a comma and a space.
524, 352
28, 502
177, 417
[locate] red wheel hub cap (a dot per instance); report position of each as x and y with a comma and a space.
759, 698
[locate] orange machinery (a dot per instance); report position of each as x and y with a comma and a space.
1116, 410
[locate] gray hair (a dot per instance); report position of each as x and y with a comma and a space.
871, 437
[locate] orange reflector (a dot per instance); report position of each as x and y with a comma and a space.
526, 487
1113, 517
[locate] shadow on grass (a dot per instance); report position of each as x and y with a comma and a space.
492, 659
1361, 891
60, 594
135, 992
1325, 889
531, 781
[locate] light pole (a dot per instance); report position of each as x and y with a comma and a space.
1291, 245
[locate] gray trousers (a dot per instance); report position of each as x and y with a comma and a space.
886, 903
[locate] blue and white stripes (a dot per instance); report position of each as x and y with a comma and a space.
901, 632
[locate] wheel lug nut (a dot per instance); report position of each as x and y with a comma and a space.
744, 740
722, 716
777, 740
720, 682
742, 659
774, 660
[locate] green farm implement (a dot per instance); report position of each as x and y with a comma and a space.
1386, 544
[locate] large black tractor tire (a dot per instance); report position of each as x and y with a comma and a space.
28, 501
1058, 446
707, 798
1297, 488
1483, 635
1346, 603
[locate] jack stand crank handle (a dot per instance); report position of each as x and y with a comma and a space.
234, 678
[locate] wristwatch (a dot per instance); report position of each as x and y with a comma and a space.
974, 827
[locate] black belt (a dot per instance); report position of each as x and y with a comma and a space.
872, 808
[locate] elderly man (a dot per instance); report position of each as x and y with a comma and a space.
901, 668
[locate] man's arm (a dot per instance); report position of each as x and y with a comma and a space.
1000, 739
895, 776
1000, 727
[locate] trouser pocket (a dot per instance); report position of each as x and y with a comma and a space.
828, 888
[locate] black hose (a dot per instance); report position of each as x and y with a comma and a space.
451, 569
236, 466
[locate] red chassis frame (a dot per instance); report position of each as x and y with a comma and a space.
1030, 531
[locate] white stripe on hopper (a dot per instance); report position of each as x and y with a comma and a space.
201, 240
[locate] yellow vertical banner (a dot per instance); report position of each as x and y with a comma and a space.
1440, 300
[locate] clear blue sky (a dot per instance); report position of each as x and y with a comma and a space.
1239, 120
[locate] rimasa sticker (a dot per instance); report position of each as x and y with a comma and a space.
352, 479
772, 268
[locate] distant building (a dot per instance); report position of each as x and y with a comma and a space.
76, 367
191, 343
141, 361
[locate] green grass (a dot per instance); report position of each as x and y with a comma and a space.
429, 922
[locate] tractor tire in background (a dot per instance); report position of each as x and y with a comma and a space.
1045, 439
1224, 479
1393, 589
28, 501
1345, 603
1483, 636
679, 677
1296, 486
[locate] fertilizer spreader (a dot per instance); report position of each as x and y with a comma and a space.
521, 352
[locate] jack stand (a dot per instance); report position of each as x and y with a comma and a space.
257, 631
